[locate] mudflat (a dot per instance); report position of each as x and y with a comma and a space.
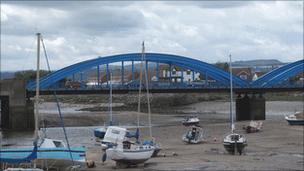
278, 146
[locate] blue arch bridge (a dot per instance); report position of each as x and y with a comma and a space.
169, 73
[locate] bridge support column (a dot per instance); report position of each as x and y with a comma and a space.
193, 75
98, 75
157, 71
107, 74
147, 71
17, 113
250, 107
170, 73
122, 73
182, 75
132, 70
206, 79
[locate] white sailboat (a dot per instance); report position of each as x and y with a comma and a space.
121, 149
233, 142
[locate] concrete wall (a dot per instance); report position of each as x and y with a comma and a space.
21, 111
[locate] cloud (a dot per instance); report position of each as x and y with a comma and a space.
75, 31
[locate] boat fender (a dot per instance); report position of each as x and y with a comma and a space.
90, 163
104, 157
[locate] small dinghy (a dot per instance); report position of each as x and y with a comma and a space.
235, 143
193, 136
123, 151
190, 121
254, 126
295, 119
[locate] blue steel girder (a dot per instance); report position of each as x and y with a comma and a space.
182, 61
292, 71
268, 76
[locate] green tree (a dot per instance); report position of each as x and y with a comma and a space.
222, 65
29, 74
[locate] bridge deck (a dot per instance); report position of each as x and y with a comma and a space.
172, 90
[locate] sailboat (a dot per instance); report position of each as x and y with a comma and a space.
233, 142
45, 149
119, 146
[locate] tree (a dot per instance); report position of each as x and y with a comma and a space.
222, 65
28, 75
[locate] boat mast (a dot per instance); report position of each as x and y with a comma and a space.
111, 116
147, 89
37, 86
231, 97
36, 115
140, 82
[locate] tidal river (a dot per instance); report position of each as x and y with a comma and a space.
83, 135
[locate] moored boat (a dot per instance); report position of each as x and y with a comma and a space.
235, 143
122, 150
254, 126
193, 136
190, 121
295, 119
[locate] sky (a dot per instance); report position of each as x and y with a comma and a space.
74, 31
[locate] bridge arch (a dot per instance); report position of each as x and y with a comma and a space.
280, 74
181, 61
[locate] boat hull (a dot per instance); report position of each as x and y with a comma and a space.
295, 122
230, 147
62, 153
130, 157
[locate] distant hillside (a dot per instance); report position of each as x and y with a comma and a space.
7, 75
259, 62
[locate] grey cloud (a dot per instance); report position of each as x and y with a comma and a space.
211, 4
67, 5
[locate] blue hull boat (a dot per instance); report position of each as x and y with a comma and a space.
60, 153
295, 119
100, 132
295, 122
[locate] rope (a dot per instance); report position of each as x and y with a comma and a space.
57, 103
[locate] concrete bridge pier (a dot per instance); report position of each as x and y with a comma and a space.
17, 112
250, 107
